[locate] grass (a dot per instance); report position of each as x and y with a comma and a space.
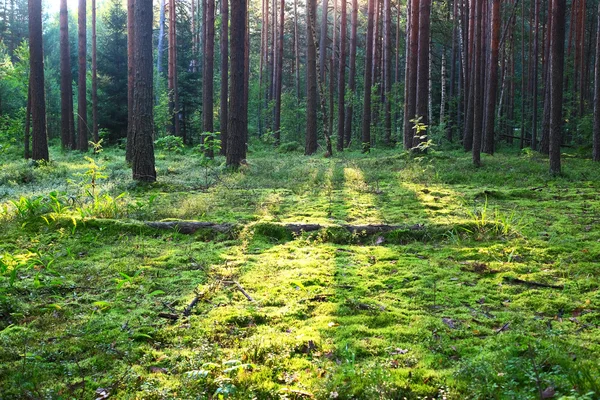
442, 312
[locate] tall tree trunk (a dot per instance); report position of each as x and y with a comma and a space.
557, 69
27, 136
351, 74
311, 80
174, 127
143, 119
208, 76
39, 143
423, 68
492, 80
470, 81
534, 119
366, 119
453, 104
66, 81
323, 40
296, 50
387, 71
410, 76
264, 60
478, 84
130, 77
237, 127
279, 76
545, 140
94, 76
443, 88
331, 71
82, 92
342, 78
225, 74
596, 150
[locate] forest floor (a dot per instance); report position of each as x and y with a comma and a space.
491, 291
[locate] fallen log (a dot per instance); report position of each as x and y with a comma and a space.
532, 283
189, 227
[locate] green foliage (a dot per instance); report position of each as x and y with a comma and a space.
170, 143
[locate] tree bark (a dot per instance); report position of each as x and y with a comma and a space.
311, 80
296, 50
66, 81
224, 74
143, 103
410, 79
596, 149
478, 84
82, 92
423, 68
342, 78
130, 77
366, 119
545, 139
387, 71
39, 143
27, 136
94, 76
470, 78
557, 69
492, 80
279, 76
323, 40
208, 75
351, 74
237, 127
174, 128
534, 118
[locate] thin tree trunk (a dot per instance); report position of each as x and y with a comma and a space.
39, 143
534, 119
279, 76
66, 81
443, 89
173, 89
208, 76
596, 149
410, 78
94, 76
557, 69
237, 127
143, 119
351, 74
323, 40
492, 81
311, 80
264, 32
545, 140
423, 69
342, 78
27, 136
82, 92
453, 59
160, 45
478, 85
387, 71
296, 50
225, 74
470, 82
130, 77
366, 121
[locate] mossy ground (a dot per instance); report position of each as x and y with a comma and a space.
428, 313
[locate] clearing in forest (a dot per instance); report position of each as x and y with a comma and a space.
488, 287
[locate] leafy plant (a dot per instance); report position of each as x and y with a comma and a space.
170, 143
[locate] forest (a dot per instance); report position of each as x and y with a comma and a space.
284, 199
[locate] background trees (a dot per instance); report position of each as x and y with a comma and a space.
410, 60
